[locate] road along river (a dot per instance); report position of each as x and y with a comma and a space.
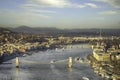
51, 65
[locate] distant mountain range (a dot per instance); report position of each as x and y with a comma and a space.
44, 29
4, 30
27, 29
53, 30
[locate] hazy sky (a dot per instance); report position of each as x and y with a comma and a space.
60, 13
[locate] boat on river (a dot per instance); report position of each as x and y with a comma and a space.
85, 78
52, 61
79, 60
24, 55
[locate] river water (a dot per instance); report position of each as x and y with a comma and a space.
38, 66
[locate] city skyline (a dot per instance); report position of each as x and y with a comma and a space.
60, 13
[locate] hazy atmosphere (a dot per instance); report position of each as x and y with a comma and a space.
59, 39
60, 13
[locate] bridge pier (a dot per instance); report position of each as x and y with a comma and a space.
17, 62
70, 62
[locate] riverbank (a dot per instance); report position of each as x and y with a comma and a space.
105, 70
105, 61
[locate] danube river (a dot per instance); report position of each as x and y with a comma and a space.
50, 65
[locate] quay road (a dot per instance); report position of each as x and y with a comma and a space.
31, 71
